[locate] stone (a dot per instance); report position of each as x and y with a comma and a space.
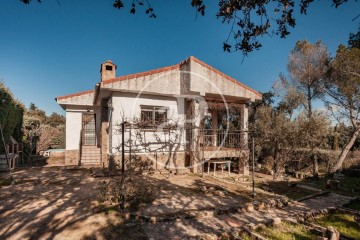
276, 221
251, 226
153, 219
261, 206
271, 202
219, 193
249, 207
207, 236
332, 233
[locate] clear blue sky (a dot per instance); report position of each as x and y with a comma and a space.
47, 50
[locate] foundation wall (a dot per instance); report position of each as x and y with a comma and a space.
72, 157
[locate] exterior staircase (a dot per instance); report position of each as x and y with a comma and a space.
90, 155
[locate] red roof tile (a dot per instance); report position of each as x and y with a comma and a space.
75, 94
163, 69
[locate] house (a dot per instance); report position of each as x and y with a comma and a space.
177, 116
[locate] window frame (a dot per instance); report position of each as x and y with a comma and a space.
153, 109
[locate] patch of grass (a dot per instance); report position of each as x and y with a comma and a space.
282, 188
5, 182
245, 236
287, 231
344, 223
108, 209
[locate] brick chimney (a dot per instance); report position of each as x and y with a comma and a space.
107, 70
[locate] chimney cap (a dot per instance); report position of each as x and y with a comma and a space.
108, 62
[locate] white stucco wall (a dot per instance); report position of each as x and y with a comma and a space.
73, 128
74, 125
127, 105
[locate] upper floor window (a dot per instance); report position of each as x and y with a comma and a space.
153, 115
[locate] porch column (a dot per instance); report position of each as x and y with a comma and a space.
214, 126
244, 111
244, 149
197, 144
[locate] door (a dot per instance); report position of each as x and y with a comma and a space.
88, 130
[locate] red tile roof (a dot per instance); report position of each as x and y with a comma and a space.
74, 94
142, 74
176, 67
163, 69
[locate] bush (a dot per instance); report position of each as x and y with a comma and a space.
11, 115
137, 193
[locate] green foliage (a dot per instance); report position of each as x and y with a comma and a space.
343, 86
11, 115
41, 131
354, 39
344, 223
137, 193
55, 120
288, 231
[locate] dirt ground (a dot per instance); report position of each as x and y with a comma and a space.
62, 203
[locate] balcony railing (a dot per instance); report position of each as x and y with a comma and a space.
222, 138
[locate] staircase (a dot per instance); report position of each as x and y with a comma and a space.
90, 155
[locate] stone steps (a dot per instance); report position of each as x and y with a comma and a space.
90, 155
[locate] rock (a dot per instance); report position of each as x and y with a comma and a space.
203, 188
234, 233
207, 237
225, 235
276, 221
219, 193
271, 202
332, 233
153, 219
250, 226
249, 207
261, 206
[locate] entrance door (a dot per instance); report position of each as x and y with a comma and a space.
88, 130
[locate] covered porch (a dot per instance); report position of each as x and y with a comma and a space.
222, 137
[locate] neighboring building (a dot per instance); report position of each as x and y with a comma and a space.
181, 95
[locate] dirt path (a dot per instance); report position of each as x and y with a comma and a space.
50, 203
60, 203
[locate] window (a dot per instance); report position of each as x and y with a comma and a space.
108, 68
153, 115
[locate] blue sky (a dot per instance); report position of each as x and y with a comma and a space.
49, 50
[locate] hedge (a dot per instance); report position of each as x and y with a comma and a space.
11, 115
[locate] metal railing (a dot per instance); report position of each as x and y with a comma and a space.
222, 138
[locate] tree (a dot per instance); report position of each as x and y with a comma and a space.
276, 134
55, 120
354, 39
313, 134
41, 131
11, 116
308, 66
249, 20
344, 89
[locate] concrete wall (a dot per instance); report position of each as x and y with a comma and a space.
74, 125
166, 82
127, 106
207, 80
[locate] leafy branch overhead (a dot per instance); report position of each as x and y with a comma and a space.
249, 20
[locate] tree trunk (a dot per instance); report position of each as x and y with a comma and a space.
315, 167
345, 151
276, 159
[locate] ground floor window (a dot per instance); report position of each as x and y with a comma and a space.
153, 115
